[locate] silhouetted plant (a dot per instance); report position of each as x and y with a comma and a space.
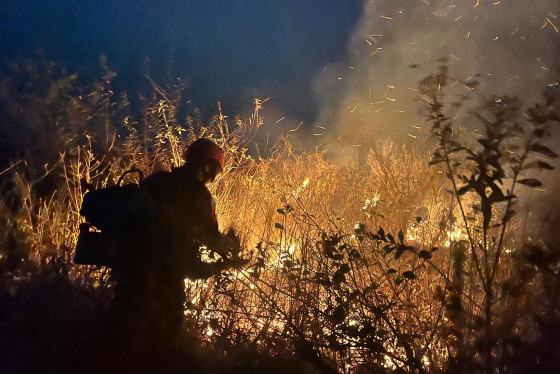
511, 146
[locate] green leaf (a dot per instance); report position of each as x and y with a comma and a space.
409, 274
531, 182
279, 226
498, 197
388, 248
338, 278
281, 211
463, 190
426, 255
538, 165
544, 165
360, 228
539, 133
401, 236
400, 251
391, 271
373, 212
544, 150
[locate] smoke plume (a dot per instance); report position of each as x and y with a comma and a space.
510, 46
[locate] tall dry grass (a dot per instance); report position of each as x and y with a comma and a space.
357, 268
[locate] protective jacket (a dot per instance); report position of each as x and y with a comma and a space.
185, 220
150, 283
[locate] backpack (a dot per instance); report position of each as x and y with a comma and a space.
115, 217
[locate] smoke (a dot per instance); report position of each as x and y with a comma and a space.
510, 45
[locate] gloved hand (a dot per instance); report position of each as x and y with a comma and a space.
229, 245
229, 264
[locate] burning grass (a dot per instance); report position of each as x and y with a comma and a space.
356, 267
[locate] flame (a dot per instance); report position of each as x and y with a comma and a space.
282, 206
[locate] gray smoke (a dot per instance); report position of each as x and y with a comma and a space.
513, 45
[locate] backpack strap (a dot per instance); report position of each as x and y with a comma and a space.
140, 174
89, 187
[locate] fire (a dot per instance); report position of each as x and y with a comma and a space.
282, 206
455, 234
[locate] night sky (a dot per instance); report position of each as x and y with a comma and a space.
230, 51
340, 65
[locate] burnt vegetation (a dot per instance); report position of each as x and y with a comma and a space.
413, 263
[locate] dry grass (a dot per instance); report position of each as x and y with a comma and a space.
320, 276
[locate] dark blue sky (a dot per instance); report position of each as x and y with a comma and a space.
228, 50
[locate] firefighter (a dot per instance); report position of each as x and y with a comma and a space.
150, 285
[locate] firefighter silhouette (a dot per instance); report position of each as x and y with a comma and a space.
151, 235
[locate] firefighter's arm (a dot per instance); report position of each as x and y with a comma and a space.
207, 232
205, 270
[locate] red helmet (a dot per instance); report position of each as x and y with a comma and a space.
203, 149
